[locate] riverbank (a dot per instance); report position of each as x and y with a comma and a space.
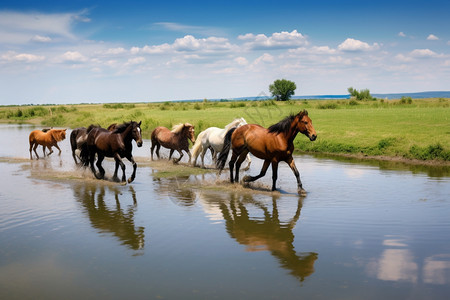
414, 131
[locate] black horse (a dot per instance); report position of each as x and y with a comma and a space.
116, 144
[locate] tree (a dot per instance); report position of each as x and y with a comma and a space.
363, 95
282, 89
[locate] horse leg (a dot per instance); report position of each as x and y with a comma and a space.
274, 175
248, 158
31, 149
122, 165
100, 158
74, 157
151, 150
213, 155
231, 165
261, 174
290, 161
158, 146
34, 149
133, 175
50, 149
56, 145
171, 153
239, 163
115, 178
175, 161
203, 156
189, 154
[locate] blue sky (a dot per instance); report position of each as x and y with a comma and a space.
139, 51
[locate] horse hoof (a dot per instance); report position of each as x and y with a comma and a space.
302, 192
130, 180
246, 178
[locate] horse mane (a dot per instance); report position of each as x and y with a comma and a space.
56, 134
121, 128
92, 126
285, 124
234, 123
179, 127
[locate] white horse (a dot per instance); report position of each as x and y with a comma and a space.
212, 138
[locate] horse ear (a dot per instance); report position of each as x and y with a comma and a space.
140, 122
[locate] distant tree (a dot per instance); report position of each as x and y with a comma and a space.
363, 95
282, 89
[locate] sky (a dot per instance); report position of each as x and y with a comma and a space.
61, 52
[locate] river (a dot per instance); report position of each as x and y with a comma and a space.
365, 230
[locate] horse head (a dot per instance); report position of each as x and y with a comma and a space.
58, 134
189, 131
304, 125
136, 132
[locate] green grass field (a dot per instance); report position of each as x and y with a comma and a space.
418, 129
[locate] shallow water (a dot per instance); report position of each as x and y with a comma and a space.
363, 231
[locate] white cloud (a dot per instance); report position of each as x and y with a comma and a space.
401, 34
136, 60
278, 40
72, 57
432, 37
352, 45
41, 39
12, 56
188, 43
115, 51
423, 53
19, 27
265, 58
241, 61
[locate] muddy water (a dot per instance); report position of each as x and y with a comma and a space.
364, 231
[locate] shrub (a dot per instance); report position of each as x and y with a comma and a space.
431, 152
328, 105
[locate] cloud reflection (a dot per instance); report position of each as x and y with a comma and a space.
398, 263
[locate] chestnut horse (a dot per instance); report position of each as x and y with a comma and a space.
116, 144
177, 139
48, 139
273, 145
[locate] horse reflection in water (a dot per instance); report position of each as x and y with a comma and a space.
112, 219
264, 234
175, 189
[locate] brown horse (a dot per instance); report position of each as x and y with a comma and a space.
78, 138
177, 139
273, 145
48, 139
116, 144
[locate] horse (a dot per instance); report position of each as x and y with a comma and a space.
212, 138
48, 139
78, 138
175, 139
273, 145
116, 144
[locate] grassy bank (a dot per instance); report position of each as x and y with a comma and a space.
416, 129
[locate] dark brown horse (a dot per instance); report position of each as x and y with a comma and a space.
48, 139
177, 139
78, 138
116, 144
273, 145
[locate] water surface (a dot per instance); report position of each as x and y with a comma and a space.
363, 231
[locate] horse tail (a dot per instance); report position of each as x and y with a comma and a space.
220, 164
198, 144
73, 139
84, 155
